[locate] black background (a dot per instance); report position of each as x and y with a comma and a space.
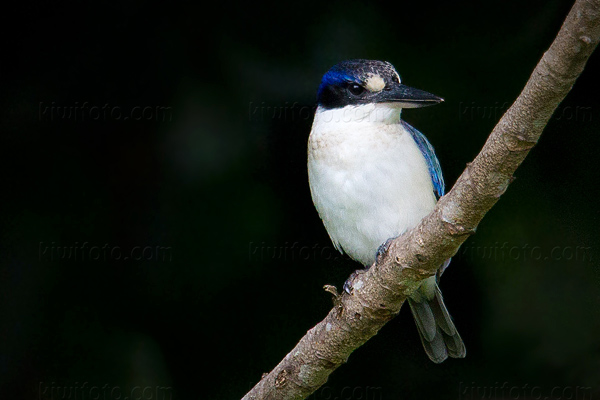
206, 195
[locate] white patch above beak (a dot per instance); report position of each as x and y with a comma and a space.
375, 83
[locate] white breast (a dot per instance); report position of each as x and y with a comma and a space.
368, 179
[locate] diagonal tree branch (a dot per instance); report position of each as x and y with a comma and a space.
377, 294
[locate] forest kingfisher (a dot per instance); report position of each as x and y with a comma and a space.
372, 177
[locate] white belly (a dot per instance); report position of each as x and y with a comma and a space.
369, 182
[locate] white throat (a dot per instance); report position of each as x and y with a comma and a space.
373, 113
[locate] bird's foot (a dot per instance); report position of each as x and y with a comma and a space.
350, 285
383, 249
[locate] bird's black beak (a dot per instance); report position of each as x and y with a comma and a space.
407, 97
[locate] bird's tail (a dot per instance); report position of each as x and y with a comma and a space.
436, 329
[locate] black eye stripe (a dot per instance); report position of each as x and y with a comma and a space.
355, 89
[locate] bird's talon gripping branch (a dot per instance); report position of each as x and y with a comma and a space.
350, 283
382, 250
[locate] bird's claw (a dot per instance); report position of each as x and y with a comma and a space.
349, 284
383, 249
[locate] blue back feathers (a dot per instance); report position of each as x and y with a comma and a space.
435, 170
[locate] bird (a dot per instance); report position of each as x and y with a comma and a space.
372, 177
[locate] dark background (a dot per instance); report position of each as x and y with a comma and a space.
178, 252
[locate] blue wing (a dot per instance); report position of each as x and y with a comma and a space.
432, 162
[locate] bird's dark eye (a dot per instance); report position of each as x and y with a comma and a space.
356, 89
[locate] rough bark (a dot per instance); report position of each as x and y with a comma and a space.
377, 294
